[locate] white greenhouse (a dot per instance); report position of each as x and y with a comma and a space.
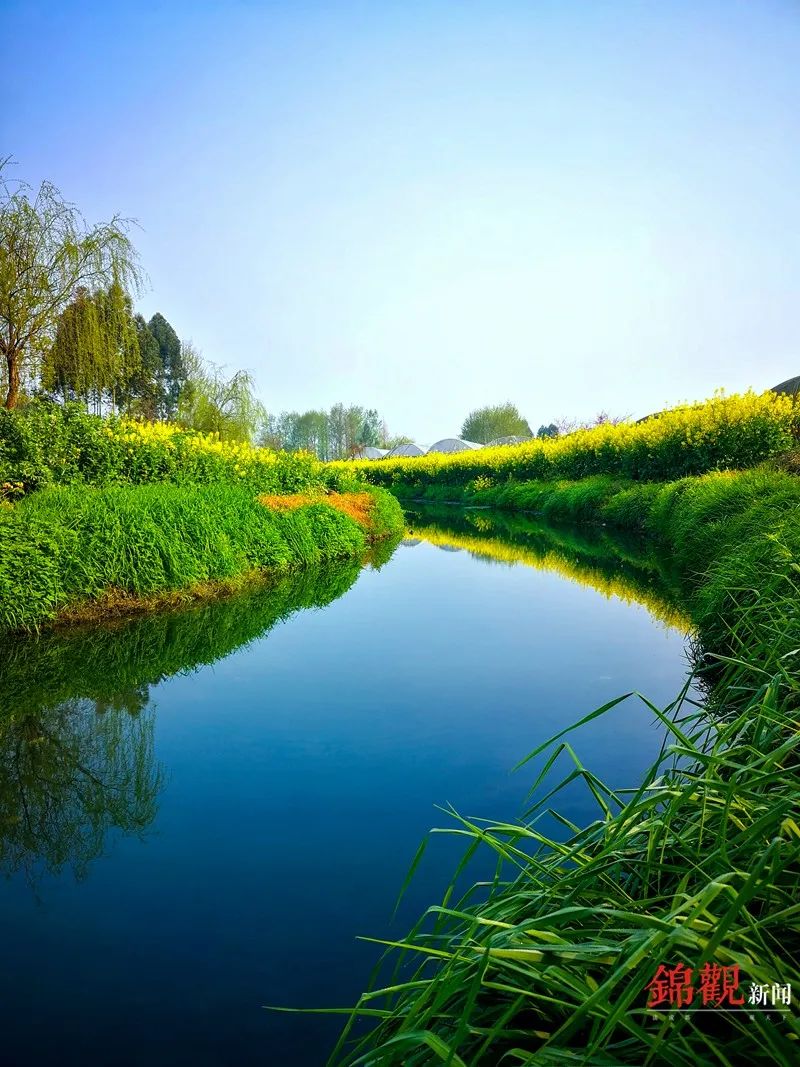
454, 444
405, 450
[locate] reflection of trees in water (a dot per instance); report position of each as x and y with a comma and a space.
68, 775
76, 729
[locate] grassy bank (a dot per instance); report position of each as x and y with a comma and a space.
61, 548
119, 659
699, 864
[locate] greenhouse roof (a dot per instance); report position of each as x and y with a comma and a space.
409, 449
454, 444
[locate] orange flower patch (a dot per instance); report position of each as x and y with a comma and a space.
357, 505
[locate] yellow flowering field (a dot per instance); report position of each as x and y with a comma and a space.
724, 433
43, 444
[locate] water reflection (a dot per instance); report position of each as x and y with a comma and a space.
299, 776
76, 727
68, 774
625, 566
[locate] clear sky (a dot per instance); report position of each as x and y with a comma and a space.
425, 207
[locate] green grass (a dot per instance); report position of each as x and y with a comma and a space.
67, 545
548, 961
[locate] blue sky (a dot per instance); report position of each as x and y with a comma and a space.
424, 207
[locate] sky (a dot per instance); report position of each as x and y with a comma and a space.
428, 207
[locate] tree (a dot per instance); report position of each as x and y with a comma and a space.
551, 430
337, 431
214, 403
335, 434
172, 371
353, 425
310, 432
47, 254
602, 418
141, 395
95, 352
371, 429
502, 420
390, 441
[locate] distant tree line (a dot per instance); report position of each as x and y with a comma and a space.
68, 331
340, 433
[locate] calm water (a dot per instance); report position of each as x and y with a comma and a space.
200, 812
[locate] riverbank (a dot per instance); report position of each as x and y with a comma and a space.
698, 864
78, 552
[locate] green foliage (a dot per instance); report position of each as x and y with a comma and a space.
95, 352
614, 561
45, 444
549, 961
126, 656
155, 387
211, 402
336, 434
64, 545
141, 395
77, 756
486, 424
721, 434
387, 519
172, 370
68, 775
47, 253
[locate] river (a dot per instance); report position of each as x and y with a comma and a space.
201, 811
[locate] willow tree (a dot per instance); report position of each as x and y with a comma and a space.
95, 353
48, 253
212, 402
